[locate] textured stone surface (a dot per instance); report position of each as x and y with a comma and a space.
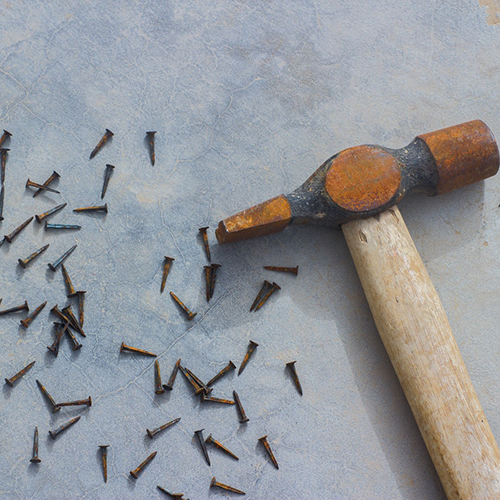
248, 98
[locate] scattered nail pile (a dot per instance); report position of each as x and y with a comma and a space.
69, 323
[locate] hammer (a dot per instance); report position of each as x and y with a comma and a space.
358, 189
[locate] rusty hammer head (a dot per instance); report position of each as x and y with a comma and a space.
365, 180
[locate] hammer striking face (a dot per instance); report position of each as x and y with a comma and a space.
363, 181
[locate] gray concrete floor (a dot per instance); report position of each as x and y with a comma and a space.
247, 99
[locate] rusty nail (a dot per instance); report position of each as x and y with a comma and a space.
166, 270
35, 458
107, 176
199, 435
291, 366
5, 136
16, 309
173, 495
190, 315
54, 434
41, 217
215, 483
158, 387
76, 344
67, 280
191, 380
151, 139
264, 299
219, 445
204, 235
51, 225
11, 236
128, 348
49, 181
61, 259
2, 197
40, 186
204, 397
250, 349
73, 322
81, 306
10, 381
212, 278
102, 208
201, 386
27, 260
170, 384
152, 434
80, 402
265, 442
243, 418
27, 321
55, 408
3, 161
60, 330
104, 454
230, 366
101, 143
294, 270
263, 290
208, 280
135, 473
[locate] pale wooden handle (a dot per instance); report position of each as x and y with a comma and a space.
418, 338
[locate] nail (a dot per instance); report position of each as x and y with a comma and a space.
208, 280
151, 139
264, 441
60, 330
40, 186
11, 236
104, 453
201, 386
73, 322
10, 381
2, 197
76, 344
197, 388
39, 218
35, 459
170, 384
274, 287
152, 433
212, 278
16, 309
81, 306
134, 349
27, 260
215, 483
101, 143
49, 226
54, 434
67, 280
61, 259
204, 235
190, 315
80, 402
295, 377
55, 310
199, 435
166, 270
173, 495
102, 208
243, 418
204, 398
27, 321
250, 349
51, 179
294, 270
107, 176
230, 366
5, 136
135, 473
264, 288
55, 408
3, 163
158, 387
219, 445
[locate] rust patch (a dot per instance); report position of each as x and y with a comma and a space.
464, 154
363, 178
266, 218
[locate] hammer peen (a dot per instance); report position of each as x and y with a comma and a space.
358, 189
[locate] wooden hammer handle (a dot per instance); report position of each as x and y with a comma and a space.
418, 338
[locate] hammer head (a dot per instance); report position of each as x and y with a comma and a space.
363, 181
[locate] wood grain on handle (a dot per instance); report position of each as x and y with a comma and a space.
415, 331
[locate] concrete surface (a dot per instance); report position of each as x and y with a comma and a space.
248, 98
